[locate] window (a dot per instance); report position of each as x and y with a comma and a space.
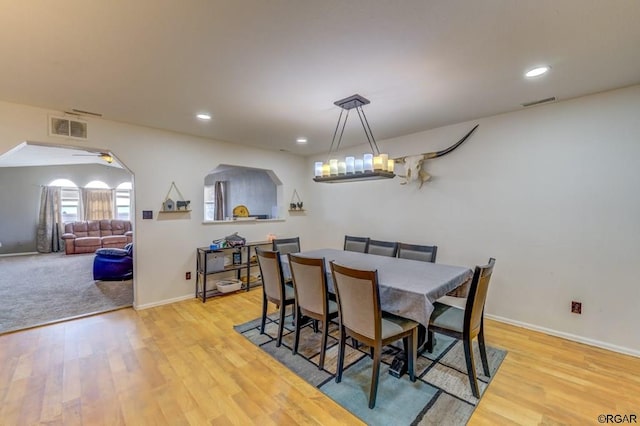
123, 201
209, 202
69, 199
97, 184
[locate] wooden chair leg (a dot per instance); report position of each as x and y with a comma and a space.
323, 344
375, 375
341, 349
283, 309
264, 313
471, 368
315, 325
483, 352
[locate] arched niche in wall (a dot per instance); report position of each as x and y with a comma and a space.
228, 186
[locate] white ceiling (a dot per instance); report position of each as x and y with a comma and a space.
33, 154
269, 71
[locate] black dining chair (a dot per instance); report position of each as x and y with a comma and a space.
312, 299
361, 318
417, 252
382, 248
466, 324
274, 290
358, 244
286, 245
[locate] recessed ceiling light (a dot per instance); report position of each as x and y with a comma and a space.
537, 71
204, 116
301, 140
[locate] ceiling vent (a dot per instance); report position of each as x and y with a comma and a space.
67, 127
541, 101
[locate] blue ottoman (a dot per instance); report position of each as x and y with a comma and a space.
113, 264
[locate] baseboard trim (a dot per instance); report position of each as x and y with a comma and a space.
26, 253
568, 336
163, 302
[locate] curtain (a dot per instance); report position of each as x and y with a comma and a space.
97, 203
220, 200
49, 221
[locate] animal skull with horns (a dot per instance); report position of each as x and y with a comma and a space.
413, 163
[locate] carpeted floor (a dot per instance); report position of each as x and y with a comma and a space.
43, 288
440, 396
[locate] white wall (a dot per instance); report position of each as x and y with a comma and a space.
165, 246
552, 192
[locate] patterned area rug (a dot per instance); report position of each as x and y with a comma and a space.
441, 395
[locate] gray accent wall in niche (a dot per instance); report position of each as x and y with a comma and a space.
256, 189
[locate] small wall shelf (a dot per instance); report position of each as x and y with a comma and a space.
174, 211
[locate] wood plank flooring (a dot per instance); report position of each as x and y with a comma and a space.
182, 364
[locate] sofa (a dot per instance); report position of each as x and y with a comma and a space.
90, 235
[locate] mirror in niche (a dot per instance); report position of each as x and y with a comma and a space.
253, 193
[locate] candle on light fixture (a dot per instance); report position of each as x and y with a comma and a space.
350, 163
384, 159
318, 169
342, 168
377, 162
333, 167
391, 165
325, 170
358, 165
368, 162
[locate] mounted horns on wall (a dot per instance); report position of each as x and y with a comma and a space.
413, 170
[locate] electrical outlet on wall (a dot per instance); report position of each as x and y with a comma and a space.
576, 307
187, 275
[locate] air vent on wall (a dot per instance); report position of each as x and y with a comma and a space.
68, 128
541, 101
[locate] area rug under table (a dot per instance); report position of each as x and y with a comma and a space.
441, 395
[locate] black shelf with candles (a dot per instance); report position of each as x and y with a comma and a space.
371, 166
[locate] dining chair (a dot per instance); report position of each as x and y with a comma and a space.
286, 245
274, 290
417, 252
382, 248
310, 287
466, 324
358, 244
361, 318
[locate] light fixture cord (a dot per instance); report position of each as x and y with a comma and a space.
335, 132
367, 131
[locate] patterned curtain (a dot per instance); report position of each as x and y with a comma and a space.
97, 203
49, 221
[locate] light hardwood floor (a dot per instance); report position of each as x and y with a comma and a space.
183, 364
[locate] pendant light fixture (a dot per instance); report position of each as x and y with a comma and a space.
372, 165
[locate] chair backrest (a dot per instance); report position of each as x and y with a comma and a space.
286, 245
358, 298
358, 244
382, 248
477, 297
309, 283
417, 252
271, 271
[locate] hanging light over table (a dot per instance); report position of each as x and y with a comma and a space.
370, 166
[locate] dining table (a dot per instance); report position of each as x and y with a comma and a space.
408, 288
